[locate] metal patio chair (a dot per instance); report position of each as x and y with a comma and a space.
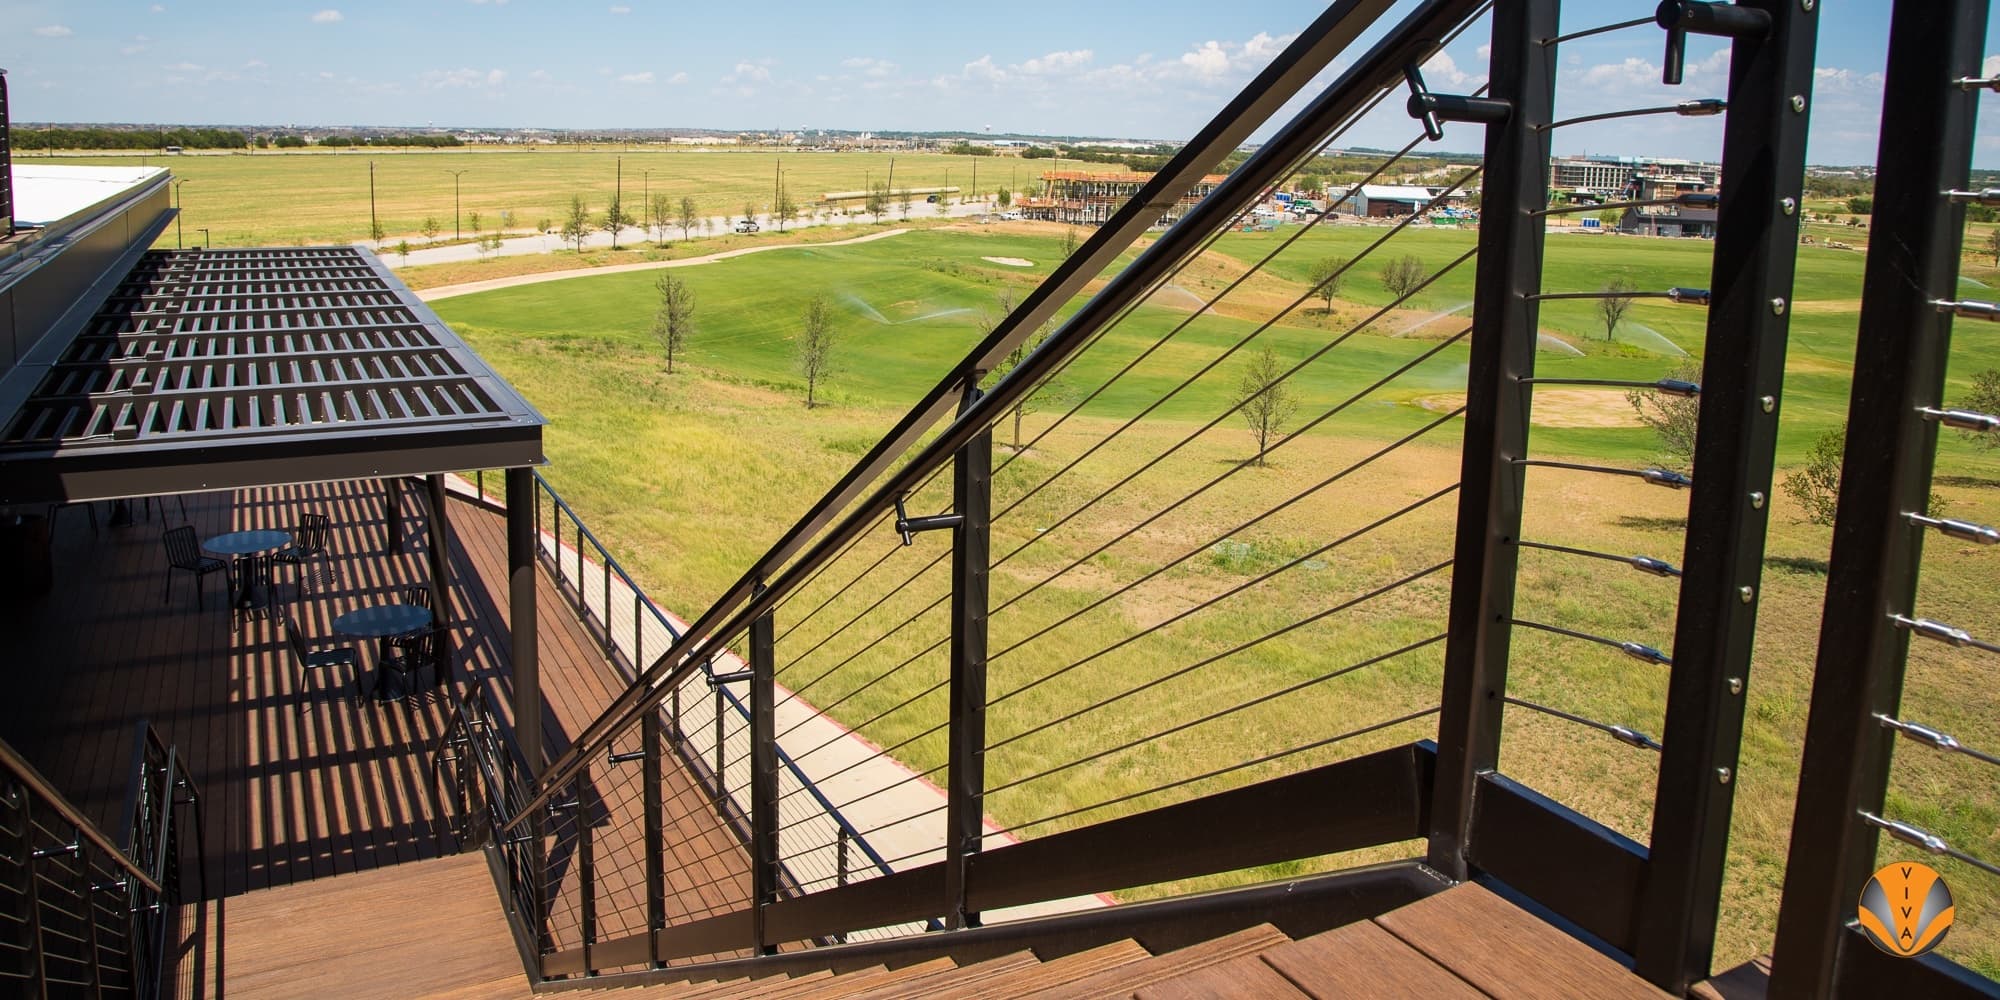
184, 553
309, 540
309, 660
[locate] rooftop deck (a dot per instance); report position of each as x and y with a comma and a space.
299, 782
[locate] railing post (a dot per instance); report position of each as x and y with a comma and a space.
22, 803
586, 869
655, 844
763, 774
91, 971
721, 761
1504, 320
1743, 373
965, 789
1899, 366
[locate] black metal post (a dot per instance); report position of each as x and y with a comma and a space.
1743, 373
440, 566
392, 515
586, 871
1899, 366
1496, 422
521, 545
721, 785
763, 775
655, 844
965, 788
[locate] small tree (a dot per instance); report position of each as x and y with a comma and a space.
785, 210
904, 200
1672, 418
1611, 217
1265, 402
506, 219
661, 207
1984, 398
1327, 274
815, 351
1068, 242
1617, 299
1816, 487
1993, 244
943, 203
1402, 276
1860, 206
545, 225
615, 218
403, 250
674, 320
576, 225
430, 229
878, 200
749, 212
689, 216
375, 234
472, 219
1005, 198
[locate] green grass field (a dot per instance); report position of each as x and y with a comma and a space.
689, 477
285, 198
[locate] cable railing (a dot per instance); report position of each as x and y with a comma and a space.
1878, 741
1074, 668
79, 915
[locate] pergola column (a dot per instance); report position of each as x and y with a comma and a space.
439, 551
521, 544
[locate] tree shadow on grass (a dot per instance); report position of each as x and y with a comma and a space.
1967, 482
1797, 564
1652, 523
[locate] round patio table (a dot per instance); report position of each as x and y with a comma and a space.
244, 547
382, 622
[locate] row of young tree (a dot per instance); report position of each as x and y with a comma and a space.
674, 326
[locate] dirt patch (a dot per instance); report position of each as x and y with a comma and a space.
1010, 261
1558, 407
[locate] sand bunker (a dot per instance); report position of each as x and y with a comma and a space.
1559, 408
1010, 261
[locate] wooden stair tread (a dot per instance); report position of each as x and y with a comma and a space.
1052, 973
1362, 959
1127, 979
860, 982
1749, 981
1505, 951
734, 989
1246, 977
927, 986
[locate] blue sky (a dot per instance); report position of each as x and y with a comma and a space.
1156, 69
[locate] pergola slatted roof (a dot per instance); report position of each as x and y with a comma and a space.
315, 360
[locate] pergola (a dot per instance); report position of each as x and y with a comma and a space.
203, 370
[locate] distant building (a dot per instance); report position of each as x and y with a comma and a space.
1669, 220
1081, 197
1610, 178
1384, 201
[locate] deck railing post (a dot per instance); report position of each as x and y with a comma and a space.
721, 760
1899, 367
1743, 374
965, 789
763, 775
655, 843
1504, 318
586, 869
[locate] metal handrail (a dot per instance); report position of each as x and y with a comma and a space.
39, 786
1410, 42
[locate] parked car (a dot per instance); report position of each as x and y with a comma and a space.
1010, 216
747, 226
930, 199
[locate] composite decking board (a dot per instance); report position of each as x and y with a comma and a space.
1045, 975
1362, 959
293, 795
1246, 978
932, 983
1128, 979
1505, 951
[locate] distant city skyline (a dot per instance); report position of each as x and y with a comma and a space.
1040, 68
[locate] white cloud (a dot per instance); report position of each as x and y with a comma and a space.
54, 31
255, 64
643, 78
133, 49
869, 66
328, 16
620, 9
678, 78
1442, 72
748, 73
183, 67
540, 76
1057, 63
158, 8
462, 79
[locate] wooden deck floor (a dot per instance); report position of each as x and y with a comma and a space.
301, 783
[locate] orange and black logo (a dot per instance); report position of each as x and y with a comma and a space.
1906, 909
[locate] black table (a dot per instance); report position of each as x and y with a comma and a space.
244, 547
382, 621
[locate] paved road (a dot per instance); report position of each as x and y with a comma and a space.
540, 243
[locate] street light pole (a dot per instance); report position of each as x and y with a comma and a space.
177, 211
374, 225
646, 197
205, 241
455, 174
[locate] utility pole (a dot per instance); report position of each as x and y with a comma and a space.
177, 211
892, 177
455, 174
646, 196
975, 179
374, 227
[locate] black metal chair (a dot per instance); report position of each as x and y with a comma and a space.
412, 652
309, 540
184, 553
419, 596
309, 660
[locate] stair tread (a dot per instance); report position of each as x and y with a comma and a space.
860, 981
927, 986
1127, 979
1247, 977
1050, 974
1362, 959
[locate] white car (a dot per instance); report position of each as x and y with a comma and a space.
1010, 216
747, 226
